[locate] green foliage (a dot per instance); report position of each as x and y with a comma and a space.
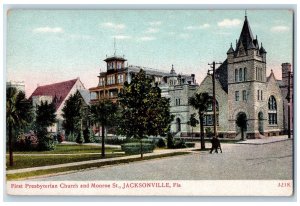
135, 148
105, 114
45, 115
201, 101
76, 115
161, 143
190, 144
145, 112
179, 144
18, 115
170, 141
193, 121
79, 138
241, 121
27, 142
46, 142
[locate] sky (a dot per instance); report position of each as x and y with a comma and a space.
49, 46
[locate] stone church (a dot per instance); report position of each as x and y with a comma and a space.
242, 87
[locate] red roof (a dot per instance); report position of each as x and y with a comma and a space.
58, 91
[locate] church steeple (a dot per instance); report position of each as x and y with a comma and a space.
246, 36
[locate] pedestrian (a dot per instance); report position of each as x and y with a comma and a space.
215, 145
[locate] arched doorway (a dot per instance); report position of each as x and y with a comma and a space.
178, 125
261, 123
241, 124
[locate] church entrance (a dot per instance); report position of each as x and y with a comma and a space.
241, 124
261, 123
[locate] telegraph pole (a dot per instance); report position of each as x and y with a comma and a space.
288, 97
213, 66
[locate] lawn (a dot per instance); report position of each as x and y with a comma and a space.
71, 153
73, 149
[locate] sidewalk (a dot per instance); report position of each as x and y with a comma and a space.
266, 140
155, 153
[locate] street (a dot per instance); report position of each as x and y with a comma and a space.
237, 162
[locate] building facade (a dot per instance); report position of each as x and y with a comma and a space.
177, 87
242, 88
58, 93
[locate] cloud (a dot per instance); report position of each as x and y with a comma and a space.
81, 37
111, 25
155, 23
48, 30
122, 37
203, 26
184, 36
229, 23
147, 38
280, 29
152, 30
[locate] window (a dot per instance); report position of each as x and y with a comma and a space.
110, 79
236, 75
245, 74
261, 95
256, 73
178, 125
237, 95
101, 81
257, 94
241, 74
120, 78
244, 95
272, 106
177, 102
208, 120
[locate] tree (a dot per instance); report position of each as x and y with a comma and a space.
76, 116
193, 122
45, 117
200, 101
18, 115
241, 122
104, 113
144, 112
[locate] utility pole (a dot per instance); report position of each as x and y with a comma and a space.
288, 97
213, 66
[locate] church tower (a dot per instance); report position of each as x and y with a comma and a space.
247, 84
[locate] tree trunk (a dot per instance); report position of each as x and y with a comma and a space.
10, 146
242, 133
141, 141
202, 132
192, 133
103, 145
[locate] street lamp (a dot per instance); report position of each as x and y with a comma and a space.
288, 98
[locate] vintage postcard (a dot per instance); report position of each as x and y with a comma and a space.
150, 102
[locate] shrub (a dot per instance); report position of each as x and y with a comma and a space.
135, 148
161, 143
86, 135
92, 136
190, 144
27, 141
71, 137
116, 141
179, 144
60, 137
79, 138
46, 142
170, 141
208, 132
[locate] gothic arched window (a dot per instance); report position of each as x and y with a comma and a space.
245, 74
178, 125
236, 75
241, 74
272, 106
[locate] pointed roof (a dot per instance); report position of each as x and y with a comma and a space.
58, 91
246, 36
262, 49
230, 50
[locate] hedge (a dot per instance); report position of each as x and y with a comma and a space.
135, 148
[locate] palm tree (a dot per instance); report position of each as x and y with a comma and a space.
193, 122
18, 115
104, 113
200, 101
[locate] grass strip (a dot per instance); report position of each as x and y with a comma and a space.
21, 162
85, 166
